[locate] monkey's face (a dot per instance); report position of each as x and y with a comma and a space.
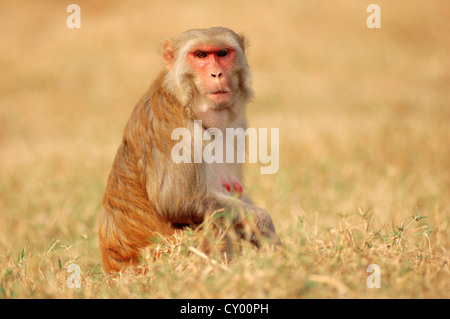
208, 72
215, 76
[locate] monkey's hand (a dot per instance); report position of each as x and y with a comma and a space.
251, 222
263, 230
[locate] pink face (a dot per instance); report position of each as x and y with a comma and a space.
215, 67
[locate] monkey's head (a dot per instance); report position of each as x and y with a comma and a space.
207, 69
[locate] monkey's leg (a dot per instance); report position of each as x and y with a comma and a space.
121, 243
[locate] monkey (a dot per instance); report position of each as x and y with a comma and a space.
147, 195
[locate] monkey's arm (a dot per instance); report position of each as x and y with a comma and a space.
181, 196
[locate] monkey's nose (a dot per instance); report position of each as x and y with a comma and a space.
219, 74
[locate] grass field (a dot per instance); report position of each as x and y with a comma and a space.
364, 119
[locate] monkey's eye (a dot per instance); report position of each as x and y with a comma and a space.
201, 55
222, 53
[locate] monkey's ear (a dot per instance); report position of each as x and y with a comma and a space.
168, 55
242, 42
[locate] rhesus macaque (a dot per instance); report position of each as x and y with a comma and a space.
148, 195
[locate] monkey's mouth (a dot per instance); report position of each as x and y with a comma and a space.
220, 99
220, 93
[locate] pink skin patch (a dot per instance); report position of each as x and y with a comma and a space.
236, 186
211, 59
226, 184
214, 65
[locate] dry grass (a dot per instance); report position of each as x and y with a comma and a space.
364, 119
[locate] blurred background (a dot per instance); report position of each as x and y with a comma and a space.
364, 114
